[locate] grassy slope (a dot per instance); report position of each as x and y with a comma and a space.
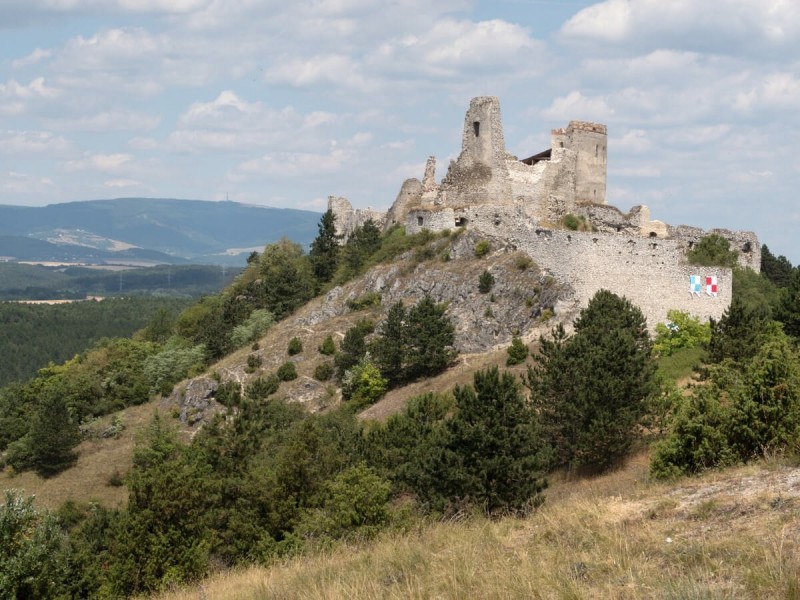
729, 534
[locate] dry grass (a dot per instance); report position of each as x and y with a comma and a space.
98, 460
731, 534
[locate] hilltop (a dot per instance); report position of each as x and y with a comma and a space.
148, 230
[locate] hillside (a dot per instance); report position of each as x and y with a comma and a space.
728, 534
151, 229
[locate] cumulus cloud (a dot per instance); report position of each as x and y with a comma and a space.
17, 143
577, 106
106, 163
719, 26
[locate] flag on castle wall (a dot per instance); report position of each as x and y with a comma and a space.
711, 285
695, 283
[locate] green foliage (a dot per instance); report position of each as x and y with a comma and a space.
739, 333
173, 363
33, 558
590, 389
571, 222
761, 412
681, 363
287, 371
295, 346
429, 339
389, 348
361, 245
35, 335
523, 262
287, 281
517, 352
262, 387
482, 248
788, 311
355, 503
485, 282
712, 251
229, 394
353, 347
253, 362
324, 371
363, 384
253, 328
325, 250
328, 347
681, 331
365, 301
696, 440
493, 446
163, 538
778, 270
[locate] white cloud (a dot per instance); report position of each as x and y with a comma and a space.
579, 107
107, 163
112, 120
17, 98
721, 26
15, 143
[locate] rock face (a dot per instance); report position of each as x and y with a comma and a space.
195, 400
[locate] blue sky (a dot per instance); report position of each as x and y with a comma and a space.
285, 103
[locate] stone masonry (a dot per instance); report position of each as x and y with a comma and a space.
524, 201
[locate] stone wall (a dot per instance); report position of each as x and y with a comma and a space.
347, 218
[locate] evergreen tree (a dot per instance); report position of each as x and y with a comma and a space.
738, 334
590, 389
325, 248
353, 347
494, 444
777, 269
53, 436
362, 243
430, 337
388, 350
287, 279
789, 308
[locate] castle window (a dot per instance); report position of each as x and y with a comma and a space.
747, 247
476, 126
419, 221
461, 221
653, 234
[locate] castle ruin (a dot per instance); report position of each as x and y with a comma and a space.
525, 202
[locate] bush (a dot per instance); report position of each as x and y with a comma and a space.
482, 248
324, 371
287, 371
517, 352
523, 262
253, 362
681, 331
328, 347
229, 394
363, 384
295, 346
260, 388
485, 282
254, 327
712, 251
365, 301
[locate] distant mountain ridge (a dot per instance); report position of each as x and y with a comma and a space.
194, 230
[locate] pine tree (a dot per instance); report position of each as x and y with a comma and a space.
325, 249
388, 350
590, 389
53, 436
738, 334
430, 337
777, 269
494, 443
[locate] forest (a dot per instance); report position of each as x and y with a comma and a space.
34, 282
267, 479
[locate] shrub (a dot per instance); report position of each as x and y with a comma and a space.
523, 262
255, 326
517, 352
365, 301
482, 248
681, 331
228, 394
261, 387
485, 282
324, 371
328, 347
363, 384
571, 222
295, 346
712, 251
253, 362
287, 371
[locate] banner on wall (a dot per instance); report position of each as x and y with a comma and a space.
711, 285
695, 283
